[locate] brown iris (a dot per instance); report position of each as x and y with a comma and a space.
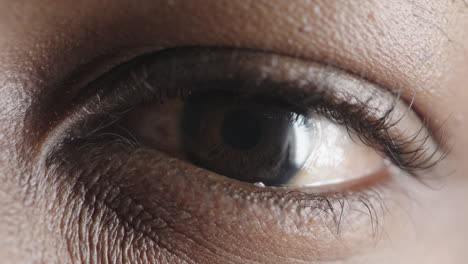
248, 140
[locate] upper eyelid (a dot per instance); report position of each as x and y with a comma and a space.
281, 72
96, 84
307, 73
119, 74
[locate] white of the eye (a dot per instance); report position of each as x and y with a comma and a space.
329, 155
303, 144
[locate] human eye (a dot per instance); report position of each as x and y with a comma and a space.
243, 129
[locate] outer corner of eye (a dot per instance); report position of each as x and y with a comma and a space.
329, 155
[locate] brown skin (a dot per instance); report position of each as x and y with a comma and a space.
50, 49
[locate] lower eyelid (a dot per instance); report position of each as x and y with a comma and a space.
182, 196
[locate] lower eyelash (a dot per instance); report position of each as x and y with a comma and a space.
338, 206
335, 211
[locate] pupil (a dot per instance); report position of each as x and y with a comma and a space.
242, 129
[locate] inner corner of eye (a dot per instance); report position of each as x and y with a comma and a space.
252, 141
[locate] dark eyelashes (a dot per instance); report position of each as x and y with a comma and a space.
408, 152
201, 70
336, 205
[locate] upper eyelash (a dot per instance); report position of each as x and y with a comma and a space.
405, 151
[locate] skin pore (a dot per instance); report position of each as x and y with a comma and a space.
52, 50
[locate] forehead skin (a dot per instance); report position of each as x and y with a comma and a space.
49, 48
